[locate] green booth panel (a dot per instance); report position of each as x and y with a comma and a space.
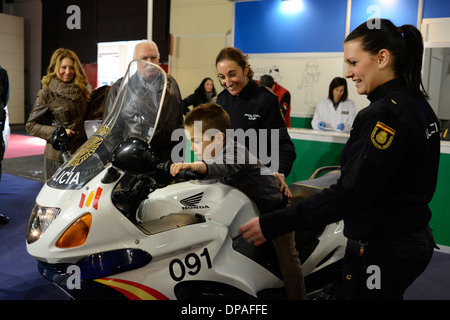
440, 204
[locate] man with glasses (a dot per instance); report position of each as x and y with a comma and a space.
172, 116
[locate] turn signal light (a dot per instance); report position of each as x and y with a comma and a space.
76, 234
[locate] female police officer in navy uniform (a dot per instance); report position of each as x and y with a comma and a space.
389, 169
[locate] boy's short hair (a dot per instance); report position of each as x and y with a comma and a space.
211, 115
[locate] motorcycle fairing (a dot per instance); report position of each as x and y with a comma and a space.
108, 288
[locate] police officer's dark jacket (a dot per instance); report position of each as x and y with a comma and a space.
258, 108
389, 171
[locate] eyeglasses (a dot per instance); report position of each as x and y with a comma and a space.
154, 58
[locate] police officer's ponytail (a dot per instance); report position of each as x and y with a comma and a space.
405, 44
412, 59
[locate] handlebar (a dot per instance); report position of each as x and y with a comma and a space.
164, 178
187, 174
135, 187
60, 142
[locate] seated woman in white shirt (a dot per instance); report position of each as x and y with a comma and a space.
336, 113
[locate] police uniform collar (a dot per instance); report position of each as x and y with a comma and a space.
246, 91
380, 92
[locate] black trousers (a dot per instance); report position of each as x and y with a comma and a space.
385, 269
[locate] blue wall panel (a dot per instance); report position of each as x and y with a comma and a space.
436, 9
319, 25
400, 12
266, 27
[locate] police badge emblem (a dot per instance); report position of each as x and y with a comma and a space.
89, 147
382, 136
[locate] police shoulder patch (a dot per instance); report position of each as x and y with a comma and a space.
382, 136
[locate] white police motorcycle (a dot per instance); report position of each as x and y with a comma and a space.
111, 223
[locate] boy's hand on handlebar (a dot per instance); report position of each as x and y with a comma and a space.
198, 166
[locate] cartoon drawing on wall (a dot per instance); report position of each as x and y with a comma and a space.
310, 76
306, 76
258, 72
273, 70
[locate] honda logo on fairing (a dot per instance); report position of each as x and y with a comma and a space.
192, 202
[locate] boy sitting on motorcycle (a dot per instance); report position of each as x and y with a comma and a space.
231, 163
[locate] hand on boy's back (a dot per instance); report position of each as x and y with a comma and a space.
284, 188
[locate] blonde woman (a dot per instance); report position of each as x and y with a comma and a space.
62, 101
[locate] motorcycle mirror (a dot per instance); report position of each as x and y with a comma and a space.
134, 155
59, 139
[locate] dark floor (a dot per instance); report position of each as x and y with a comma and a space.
25, 167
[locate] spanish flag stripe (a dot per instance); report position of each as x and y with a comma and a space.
97, 197
158, 295
385, 128
129, 295
89, 199
134, 291
83, 196
130, 291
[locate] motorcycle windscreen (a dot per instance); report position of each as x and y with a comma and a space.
134, 113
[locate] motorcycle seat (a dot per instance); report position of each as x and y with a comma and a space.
307, 240
301, 190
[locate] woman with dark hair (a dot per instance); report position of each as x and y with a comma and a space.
336, 113
256, 110
254, 107
203, 94
389, 169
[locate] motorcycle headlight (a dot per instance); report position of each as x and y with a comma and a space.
40, 220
